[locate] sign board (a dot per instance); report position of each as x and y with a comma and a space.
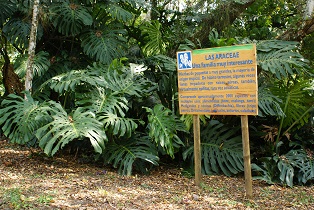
218, 81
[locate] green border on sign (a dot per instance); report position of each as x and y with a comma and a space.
224, 49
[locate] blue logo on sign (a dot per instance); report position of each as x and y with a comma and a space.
184, 60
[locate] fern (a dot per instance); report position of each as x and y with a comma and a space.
20, 118
65, 128
280, 58
163, 126
70, 18
103, 45
8, 7
129, 153
221, 149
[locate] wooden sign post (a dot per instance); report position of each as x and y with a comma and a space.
197, 150
246, 156
219, 81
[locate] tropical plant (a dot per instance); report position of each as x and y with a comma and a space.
295, 166
221, 149
163, 127
82, 75
65, 128
20, 118
137, 152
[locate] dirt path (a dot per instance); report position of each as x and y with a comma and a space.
37, 182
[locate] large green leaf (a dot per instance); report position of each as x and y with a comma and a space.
126, 153
20, 118
163, 126
302, 160
101, 101
104, 45
117, 12
268, 103
155, 42
70, 18
296, 163
17, 32
40, 66
8, 7
295, 97
70, 80
118, 125
125, 83
280, 58
221, 149
65, 128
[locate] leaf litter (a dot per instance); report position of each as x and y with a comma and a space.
30, 181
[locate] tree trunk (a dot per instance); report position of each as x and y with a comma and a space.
31, 47
306, 25
309, 9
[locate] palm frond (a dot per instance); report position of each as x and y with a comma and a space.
163, 126
103, 45
128, 152
221, 148
70, 18
280, 58
65, 128
20, 118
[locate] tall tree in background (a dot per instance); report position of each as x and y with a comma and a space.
32, 47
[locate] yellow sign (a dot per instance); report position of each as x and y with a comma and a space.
218, 81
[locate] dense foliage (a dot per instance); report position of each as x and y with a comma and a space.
105, 78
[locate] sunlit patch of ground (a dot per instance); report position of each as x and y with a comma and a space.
37, 182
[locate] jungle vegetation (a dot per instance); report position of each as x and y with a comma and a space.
104, 83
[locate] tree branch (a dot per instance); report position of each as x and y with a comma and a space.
307, 27
220, 18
